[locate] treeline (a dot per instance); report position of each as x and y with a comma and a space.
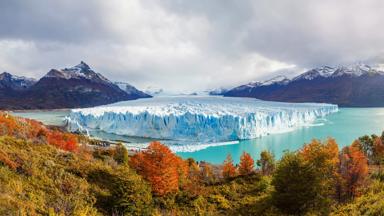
38, 176
313, 179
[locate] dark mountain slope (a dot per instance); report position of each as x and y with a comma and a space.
9, 81
358, 86
78, 86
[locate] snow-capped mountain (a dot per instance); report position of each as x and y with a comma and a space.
9, 81
77, 86
280, 80
247, 87
326, 71
355, 85
80, 71
129, 89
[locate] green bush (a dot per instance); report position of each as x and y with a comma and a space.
370, 203
121, 154
296, 185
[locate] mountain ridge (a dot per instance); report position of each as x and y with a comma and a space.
354, 86
74, 87
8, 80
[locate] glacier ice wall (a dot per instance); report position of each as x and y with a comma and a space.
194, 118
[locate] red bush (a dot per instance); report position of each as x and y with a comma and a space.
33, 130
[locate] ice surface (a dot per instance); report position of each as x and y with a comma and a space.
181, 147
196, 118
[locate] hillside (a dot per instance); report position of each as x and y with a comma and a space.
48, 172
354, 86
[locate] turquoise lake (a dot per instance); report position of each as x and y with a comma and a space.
344, 126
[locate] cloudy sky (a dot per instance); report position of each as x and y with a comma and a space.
183, 45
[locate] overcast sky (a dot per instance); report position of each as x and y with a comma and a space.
189, 45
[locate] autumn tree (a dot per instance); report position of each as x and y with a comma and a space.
366, 145
193, 170
306, 180
372, 147
207, 176
378, 151
266, 162
382, 137
162, 168
246, 164
193, 184
229, 169
296, 184
353, 171
324, 157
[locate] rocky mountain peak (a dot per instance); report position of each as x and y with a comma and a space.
83, 66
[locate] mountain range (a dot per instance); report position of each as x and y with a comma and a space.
78, 86
354, 86
357, 85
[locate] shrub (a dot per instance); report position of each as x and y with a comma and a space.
121, 154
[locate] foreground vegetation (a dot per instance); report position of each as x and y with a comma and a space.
49, 172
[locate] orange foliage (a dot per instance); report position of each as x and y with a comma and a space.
160, 167
193, 184
325, 156
246, 164
62, 140
229, 169
85, 152
353, 170
8, 125
34, 128
7, 161
35, 131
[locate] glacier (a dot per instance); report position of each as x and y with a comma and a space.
202, 119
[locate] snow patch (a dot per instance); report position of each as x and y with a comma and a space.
80, 71
276, 80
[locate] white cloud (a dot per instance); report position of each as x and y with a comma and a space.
188, 45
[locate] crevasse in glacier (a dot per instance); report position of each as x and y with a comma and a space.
195, 118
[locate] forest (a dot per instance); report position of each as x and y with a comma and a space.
47, 171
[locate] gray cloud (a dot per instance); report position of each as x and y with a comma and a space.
188, 45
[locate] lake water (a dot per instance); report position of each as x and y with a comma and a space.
48, 117
344, 126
